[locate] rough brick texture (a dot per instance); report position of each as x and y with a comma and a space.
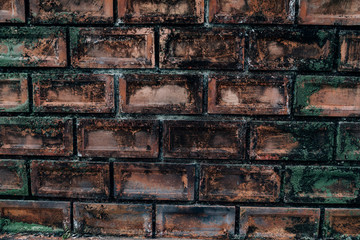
179, 119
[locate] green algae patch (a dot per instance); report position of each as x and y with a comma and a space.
6, 225
348, 142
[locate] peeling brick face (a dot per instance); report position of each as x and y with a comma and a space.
179, 119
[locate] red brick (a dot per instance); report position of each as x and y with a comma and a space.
113, 219
240, 183
311, 141
154, 181
279, 223
118, 138
70, 179
349, 51
13, 178
36, 136
32, 47
342, 223
35, 216
329, 12
201, 48
291, 49
147, 11
204, 139
72, 93
258, 94
14, 93
12, 11
112, 47
65, 11
252, 11
196, 221
160, 94
322, 184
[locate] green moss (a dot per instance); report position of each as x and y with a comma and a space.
348, 146
6, 225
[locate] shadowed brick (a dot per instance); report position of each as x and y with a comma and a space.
204, 139
14, 93
148, 11
12, 11
154, 181
252, 11
112, 47
32, 47
13, 178
201, 48
348, 141
70, 179
279, 223
71, 93
36, 136
240, 183
290, 49
34, 216
214, 222
349, 51
68, 11
118, 138
327, 96
160, 94
292, 141
342, 223
258, 94
113, 219
315, 184
329, 12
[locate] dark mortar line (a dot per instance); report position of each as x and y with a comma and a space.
246, 156
157, 48
117, 97
161, 142
30, 94
28, 175
153, 221
321, 223
336, 48
68, 50
197, 183
296, 17
237, 220
75, 146
115, 11
292, 95
111, 181
27, 12
205, 84
72, 216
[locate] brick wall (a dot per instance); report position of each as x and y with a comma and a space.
185, 118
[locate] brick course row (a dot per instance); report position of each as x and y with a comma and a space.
196, 221
182, 11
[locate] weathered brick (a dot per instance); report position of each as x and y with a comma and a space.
36, 136
12, 11
257, 94
154, 181
292, 141
327, 96
113, 219
349, 51
252, 11
34, 216
13, 178
315, 184
329, 12
160, 94
118, 138
240, 183
291, 49
70, 179
112, 47
65, 11
32, 47
216, 48
196, 221
348, 141
204, 139
148, 11
279, 223
342, 223
13, 93
72, 93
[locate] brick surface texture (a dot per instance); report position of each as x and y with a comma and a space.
180, 119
